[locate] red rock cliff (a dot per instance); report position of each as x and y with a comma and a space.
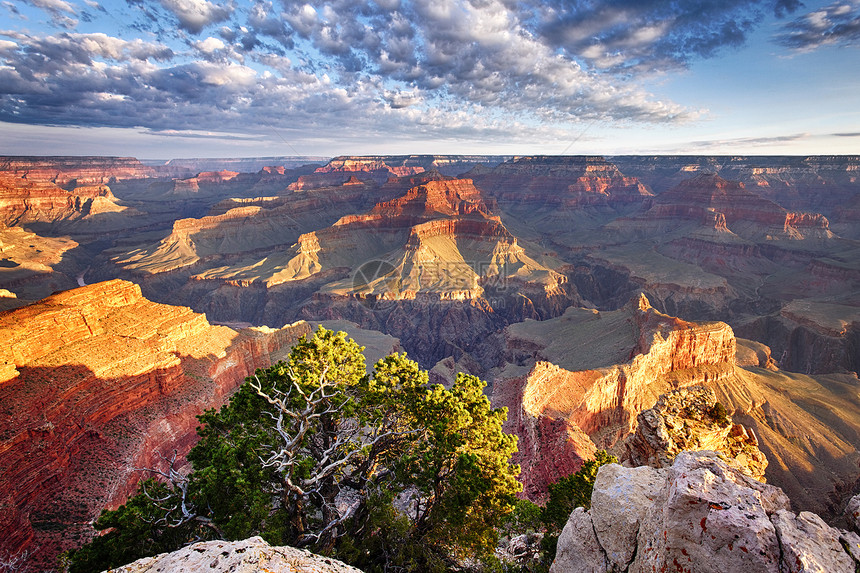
94, 382
597, 406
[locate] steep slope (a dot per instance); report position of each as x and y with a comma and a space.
97, 381
578, 382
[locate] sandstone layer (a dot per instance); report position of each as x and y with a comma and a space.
700, 515
97, 381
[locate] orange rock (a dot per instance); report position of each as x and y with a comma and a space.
97, 381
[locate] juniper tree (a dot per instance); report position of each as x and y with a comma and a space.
311, 452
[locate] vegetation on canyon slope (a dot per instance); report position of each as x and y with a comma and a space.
379, 470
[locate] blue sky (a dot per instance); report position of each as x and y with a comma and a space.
196, 78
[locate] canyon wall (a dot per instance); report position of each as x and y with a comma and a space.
97, 381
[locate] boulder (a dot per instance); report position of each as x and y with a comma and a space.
809, 544
249, 556
703, 514
619, 501
578, 548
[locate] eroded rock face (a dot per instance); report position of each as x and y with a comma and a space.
595, 397
562, 182
80, 170
688, 419
97, 381
252, 555
701, 515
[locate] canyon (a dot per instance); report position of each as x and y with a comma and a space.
587, 291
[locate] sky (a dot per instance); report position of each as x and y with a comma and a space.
159, 79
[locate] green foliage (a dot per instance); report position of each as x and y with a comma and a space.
526, 516
573, 491
461, 467
720, 414
294, 437
139, 528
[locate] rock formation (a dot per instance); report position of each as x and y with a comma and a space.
252, 555
822, 184
592, 397
97, 381
578, 382
448, 259
689, 419
76, 170
702, 514
33, 267
728, 207
23, 201
561, 182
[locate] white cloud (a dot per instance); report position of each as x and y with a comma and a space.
53, 5
194, 15
209, 45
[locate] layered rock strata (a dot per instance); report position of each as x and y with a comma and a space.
77, 170
592, 398
97, 381
561, 182
823, 184
703, 515
578, 382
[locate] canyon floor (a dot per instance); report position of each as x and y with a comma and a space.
581, 288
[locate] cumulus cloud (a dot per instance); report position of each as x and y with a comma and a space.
194, 15
834, 25
61, 12
499, 68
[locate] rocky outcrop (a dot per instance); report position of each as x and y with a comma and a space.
32, 266
252, 555
636, 354
24, 202
400, 165
690, 419
97, 381
702, 514
571, 387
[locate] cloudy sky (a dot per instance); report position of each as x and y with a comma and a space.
195, 78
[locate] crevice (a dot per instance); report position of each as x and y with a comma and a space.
779, 543
846, 546
609, 565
